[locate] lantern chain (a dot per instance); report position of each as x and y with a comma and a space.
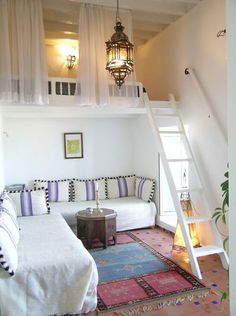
117, 12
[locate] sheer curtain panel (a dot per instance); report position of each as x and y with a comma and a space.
23, 67
93, 76
96, 25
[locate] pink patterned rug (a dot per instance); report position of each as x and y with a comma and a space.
135, 278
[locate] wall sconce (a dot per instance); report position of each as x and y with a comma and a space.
70, 61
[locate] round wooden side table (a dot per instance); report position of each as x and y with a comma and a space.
93, 224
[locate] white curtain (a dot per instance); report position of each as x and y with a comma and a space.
23, 67
96, 26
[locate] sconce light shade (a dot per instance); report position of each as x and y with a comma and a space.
119, 55
70, 61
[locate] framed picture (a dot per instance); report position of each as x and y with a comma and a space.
73, 144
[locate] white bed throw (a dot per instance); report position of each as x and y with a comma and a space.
55, 275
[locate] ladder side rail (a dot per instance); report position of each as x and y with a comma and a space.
174, 194
201, 179
191, 73
199, 175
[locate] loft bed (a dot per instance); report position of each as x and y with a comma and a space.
63, 102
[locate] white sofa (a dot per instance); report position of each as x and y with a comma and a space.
132, 212
129, 196
56, 275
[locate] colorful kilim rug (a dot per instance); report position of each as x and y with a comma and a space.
136, 278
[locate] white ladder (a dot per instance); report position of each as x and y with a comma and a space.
156, 114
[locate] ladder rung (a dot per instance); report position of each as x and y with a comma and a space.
155, 105
207, 250
197, 219
188, 190
171, 132
179, 160
165, 115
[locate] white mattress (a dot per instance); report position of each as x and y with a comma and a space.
131, 212
55, 275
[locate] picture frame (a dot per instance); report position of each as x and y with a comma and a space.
73, 145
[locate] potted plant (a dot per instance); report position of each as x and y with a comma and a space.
221, 214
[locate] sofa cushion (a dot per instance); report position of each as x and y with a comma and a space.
30, 202
7, 205
58, 190
9, 237
144, 188
121, 186
132, 212
85, 190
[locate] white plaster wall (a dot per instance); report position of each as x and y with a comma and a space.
2, 176
191, 42
231, 39
145, 153
34, 148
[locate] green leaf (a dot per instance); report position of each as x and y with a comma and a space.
224, 218
225, 242
217, 218
226, 174
224, 295
216, 214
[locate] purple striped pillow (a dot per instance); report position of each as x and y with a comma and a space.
121, 186
58, 190
144, 188
30, 202
9, 237
85, 190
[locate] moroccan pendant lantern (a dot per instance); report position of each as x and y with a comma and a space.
119, 53
179, 243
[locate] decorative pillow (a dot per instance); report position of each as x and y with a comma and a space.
9, 236
30, 202
7, 205
85, 190
120, 186
144, 188
58, 190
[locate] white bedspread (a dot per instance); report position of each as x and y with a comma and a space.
55, 275
131, 212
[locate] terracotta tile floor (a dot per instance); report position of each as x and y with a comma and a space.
214, 276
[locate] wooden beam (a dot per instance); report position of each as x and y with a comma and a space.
172, 8
61, 5
148, 26
153, 17
58, 16
62, 35
60, 27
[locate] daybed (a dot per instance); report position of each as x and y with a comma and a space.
129, 196
55, 274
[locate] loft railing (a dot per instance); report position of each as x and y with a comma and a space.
70, 86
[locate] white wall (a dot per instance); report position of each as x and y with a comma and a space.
231, 39
2, 176
191, 42
34, 148
145, 154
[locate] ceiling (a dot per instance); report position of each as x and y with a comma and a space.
149, 16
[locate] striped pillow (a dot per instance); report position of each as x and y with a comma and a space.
9, 235
144, 188
85, 190
58, 190
30, 202
121, 186
7, 205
